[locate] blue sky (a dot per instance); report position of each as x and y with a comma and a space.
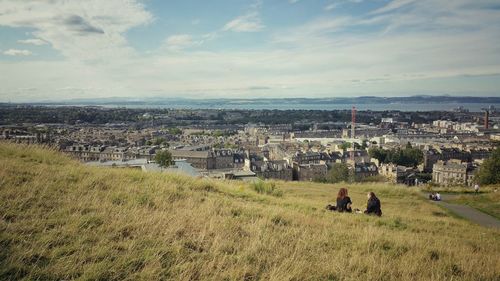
63, 49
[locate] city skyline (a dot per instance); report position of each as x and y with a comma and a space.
58, 50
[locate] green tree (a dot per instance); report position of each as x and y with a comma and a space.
344, 146
159, 141
364, 144
164, 158
338, 173
489, 172
378, 153
175, 131
408, 156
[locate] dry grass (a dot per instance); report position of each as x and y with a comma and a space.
488, 202
63, 220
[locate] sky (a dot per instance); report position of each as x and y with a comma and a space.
71, 49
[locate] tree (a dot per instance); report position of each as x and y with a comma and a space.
164, 158
409, 157
489, 172
364, 144
378, 153
159, 141
344, 146
356, 145
175, 131
338, 173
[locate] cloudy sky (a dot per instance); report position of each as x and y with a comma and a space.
63, 49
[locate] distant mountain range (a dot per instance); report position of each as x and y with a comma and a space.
157, 101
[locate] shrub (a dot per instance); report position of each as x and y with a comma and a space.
268, 188
338, 173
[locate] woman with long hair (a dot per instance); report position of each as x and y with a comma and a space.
343, 201
373, 205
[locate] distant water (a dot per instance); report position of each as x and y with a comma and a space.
474, 107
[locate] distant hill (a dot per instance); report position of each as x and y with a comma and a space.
419, 99
62, 220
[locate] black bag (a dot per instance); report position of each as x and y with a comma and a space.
330, 207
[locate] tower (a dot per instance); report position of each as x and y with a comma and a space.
486, 119
353, 122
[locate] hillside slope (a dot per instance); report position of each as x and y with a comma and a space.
63, 220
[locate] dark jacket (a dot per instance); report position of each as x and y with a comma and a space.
373, 207
342, 204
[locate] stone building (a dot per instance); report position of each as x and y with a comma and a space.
395, 173
363, 170
223, 158
359, 156
309, 172
204, 160
207, 159
308, 157
453, 172
277, 169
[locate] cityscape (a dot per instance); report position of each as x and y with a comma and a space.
448, 147
248, 140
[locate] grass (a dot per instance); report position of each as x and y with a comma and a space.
266, 187
459, 189
63, 220
486, 202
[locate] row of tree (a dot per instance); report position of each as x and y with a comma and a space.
408, 156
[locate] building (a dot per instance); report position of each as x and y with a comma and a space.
223, 158
308, 157
395, 173
277, 169
206, 159
359, 156
363, 170
453, 172
309, 172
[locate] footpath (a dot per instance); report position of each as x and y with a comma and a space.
468, 212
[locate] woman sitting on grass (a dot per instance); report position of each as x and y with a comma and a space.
343, 201
373, 205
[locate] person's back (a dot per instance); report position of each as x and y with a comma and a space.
344, 204
373, 205
343, 201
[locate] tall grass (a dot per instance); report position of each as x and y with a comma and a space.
266, 187
62, 220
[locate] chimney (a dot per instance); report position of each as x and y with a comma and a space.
486, 119
353, 122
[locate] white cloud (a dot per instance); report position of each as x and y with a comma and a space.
83, 30
393, 5
249, 22
16, 52
402, 51
34, 41
179, 42
331, 6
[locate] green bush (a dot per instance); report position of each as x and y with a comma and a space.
268, 188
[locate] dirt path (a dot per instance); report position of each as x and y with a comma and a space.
468, 212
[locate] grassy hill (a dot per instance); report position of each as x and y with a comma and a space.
63, 220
